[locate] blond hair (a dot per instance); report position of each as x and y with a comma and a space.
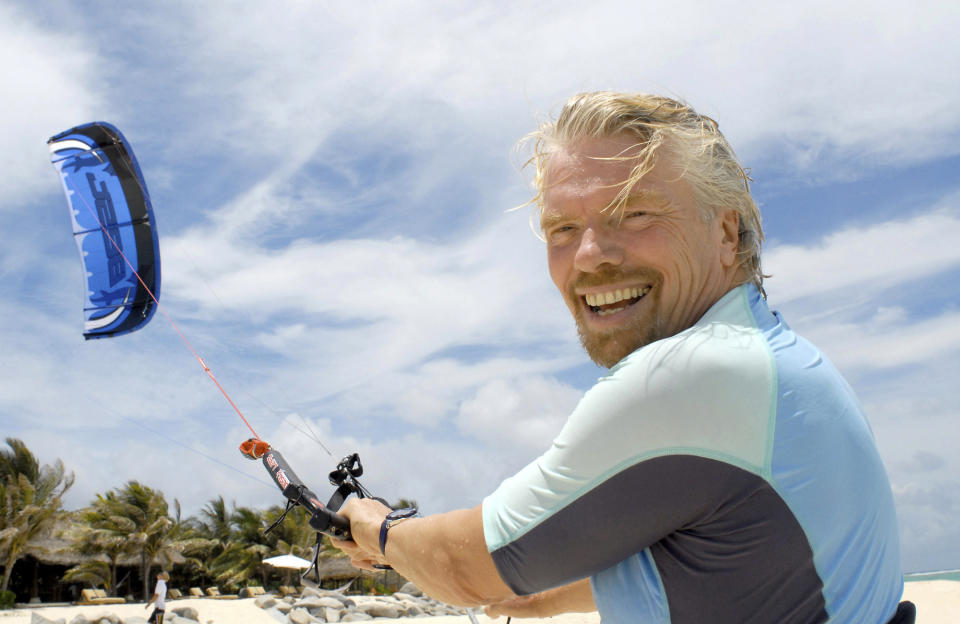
660, 124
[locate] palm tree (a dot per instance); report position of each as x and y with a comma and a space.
294, 536
140, 515
96, 573
215, 520
242, 557
30, 497
101, 529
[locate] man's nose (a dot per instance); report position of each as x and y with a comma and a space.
597, 248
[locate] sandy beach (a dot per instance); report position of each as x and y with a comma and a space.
242, 611
938, 602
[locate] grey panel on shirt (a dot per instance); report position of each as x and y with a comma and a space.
727, 547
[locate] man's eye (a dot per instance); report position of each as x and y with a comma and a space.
560, 233
635, 218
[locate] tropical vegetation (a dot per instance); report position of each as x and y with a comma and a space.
133, 526
30, 498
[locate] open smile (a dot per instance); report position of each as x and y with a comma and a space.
614, 301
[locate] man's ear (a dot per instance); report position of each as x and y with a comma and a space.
728, 222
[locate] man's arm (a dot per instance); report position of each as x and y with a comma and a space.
573, 598
445, 555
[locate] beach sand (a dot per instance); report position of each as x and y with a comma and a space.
938, 602
244, 611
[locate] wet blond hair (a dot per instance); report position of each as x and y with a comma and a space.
661, 125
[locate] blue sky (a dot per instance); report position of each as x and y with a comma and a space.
332, 186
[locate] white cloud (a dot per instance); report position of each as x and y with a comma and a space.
883, 344
868, 259
458, 79
48, 86
525, 413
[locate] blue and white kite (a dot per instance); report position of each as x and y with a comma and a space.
113, 226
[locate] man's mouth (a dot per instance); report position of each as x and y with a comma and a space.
613, 301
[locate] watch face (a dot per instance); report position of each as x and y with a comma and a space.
406, 512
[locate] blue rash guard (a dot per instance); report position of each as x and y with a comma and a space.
725, 474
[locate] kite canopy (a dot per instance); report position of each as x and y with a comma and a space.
113, 226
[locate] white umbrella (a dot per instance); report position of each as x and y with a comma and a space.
288, 561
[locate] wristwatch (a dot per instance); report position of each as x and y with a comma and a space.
394, 517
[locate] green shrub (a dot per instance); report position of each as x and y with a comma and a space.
7, 598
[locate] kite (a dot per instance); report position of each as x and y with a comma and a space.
113, 227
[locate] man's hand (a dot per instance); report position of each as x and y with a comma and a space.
365, 515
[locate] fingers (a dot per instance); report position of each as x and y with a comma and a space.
365, 517
359, 558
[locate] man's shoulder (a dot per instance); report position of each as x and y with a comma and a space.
724, 351
726, 336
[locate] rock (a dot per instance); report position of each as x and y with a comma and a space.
186, 612
413, 606
301, 616
79, 619
36, 618
410, 588
106, 618
316, 602
356, 617
265, 602
413, 611
332, 615
283, 607
348, 602
135, 619
379, 608
311, 591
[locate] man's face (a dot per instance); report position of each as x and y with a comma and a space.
634, 276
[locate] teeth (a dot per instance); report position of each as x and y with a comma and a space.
615, 296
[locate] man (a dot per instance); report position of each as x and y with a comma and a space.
722, 471
159, 597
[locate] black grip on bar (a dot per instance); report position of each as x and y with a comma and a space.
321, 518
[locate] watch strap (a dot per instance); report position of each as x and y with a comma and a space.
393, 518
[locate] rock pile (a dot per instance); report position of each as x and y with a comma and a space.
314, 606
318, 605
183, 615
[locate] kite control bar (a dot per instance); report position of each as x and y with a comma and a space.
323, 518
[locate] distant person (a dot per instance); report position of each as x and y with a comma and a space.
159, 597
722, 471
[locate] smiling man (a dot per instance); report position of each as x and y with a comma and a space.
722, 471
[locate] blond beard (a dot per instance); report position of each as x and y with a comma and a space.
608, 348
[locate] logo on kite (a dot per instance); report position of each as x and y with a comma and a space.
113, 227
